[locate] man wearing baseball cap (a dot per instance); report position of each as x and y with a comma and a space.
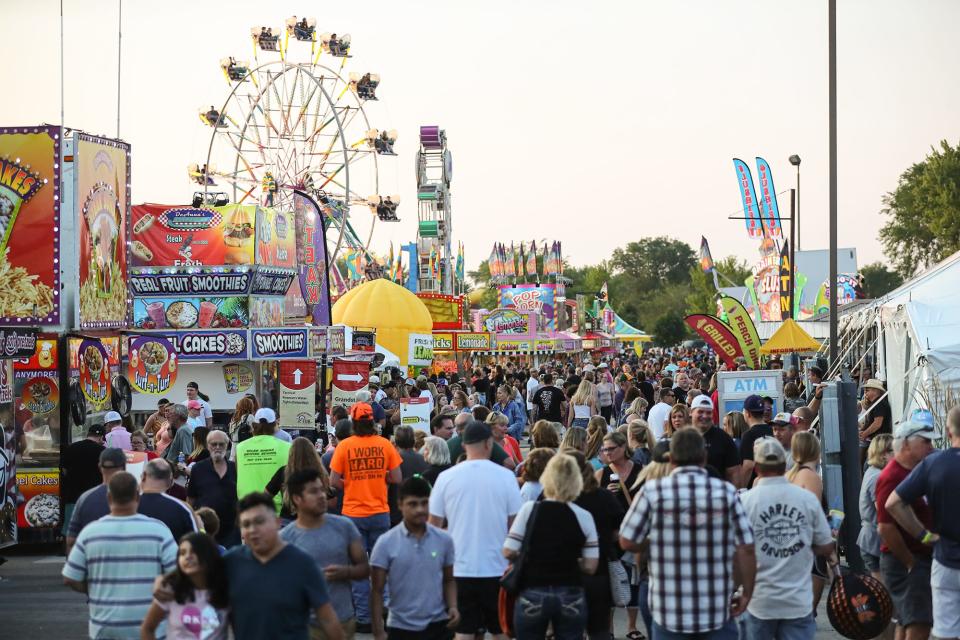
757, 427
878, 418
93, 505
117, 435
722, 459
936, 479
783, 427
790, 528
361, 467
905, 558
259, 456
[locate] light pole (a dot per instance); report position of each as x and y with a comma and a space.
832, 84
795, 161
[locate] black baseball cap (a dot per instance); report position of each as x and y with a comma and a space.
476, 432
111, 458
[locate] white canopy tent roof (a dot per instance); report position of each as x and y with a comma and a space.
918, 338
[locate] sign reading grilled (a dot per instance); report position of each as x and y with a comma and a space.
279, 343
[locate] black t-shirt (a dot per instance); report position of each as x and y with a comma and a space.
411, 463
681, 395
607, 516
749, 438
629, 481
80, 469
555, 547
481, 385
175, 514
548, 400
721, 451
880, 409
208, 489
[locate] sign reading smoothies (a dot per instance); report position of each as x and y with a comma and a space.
279, 343
103, 203
29, 225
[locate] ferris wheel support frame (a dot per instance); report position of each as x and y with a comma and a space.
345, 147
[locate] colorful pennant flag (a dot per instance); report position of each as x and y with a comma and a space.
751, 212
460, 263
768, 200
511, 271
532, 262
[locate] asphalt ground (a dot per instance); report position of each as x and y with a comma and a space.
34, 603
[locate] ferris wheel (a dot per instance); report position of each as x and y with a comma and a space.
294, 119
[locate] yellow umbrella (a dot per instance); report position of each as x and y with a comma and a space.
790, 338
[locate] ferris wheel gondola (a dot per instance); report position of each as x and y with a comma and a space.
288, 125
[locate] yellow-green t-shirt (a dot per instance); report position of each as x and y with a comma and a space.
258, 459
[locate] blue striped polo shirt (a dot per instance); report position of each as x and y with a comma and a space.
119, 557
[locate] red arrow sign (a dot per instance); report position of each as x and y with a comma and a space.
350, 375
298, 374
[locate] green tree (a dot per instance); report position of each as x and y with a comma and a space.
924, 212
654, 262
669, 330
480, 279
878, 280
702, 292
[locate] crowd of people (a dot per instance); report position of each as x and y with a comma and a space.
563, 491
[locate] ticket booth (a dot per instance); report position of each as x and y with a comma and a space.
734, 387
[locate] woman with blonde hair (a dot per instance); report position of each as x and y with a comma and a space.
678, 419
499, 423
574, 439
583, 406
640, 439
303, 455
636, 411
735, 426
544, 434
596, 430
562, 547
805, 451
879, 453
460, 402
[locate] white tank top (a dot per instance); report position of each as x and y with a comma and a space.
581, 411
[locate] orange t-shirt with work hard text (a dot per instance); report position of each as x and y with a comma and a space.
363, 462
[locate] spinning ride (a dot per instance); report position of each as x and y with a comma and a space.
290, 124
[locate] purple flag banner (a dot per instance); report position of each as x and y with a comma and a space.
312, 258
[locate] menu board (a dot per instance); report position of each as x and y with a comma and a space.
191, 313
103, 204
29, 225
276, 238
182, 236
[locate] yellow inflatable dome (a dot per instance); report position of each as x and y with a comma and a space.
387, 307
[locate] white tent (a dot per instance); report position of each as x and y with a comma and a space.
914, 334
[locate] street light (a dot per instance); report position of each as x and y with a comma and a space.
795, 161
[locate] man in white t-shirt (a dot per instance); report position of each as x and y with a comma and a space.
659, 413
533, 383
479, 500
790, 528
193, 393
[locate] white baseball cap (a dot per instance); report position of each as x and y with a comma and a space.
265, 413
702, 402
112, 416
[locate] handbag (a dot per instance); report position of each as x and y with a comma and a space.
510, 581
619, 583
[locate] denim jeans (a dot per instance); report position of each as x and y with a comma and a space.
804, 628
371, 528
537, 607
727, 632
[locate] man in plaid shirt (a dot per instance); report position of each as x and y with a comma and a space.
700, 544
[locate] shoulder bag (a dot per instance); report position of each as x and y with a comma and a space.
510, 581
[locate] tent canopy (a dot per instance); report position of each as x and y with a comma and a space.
790, 338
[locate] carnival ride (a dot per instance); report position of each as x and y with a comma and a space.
297, 122
435, 258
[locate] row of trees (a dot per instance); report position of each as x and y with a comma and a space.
654, 282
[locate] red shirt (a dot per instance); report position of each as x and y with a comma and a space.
511, 446
887, 482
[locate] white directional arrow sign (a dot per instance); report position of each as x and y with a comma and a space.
297, 374
351, 377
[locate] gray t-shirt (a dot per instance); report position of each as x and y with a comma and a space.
328, 544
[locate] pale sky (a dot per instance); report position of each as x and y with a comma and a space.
591, 123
